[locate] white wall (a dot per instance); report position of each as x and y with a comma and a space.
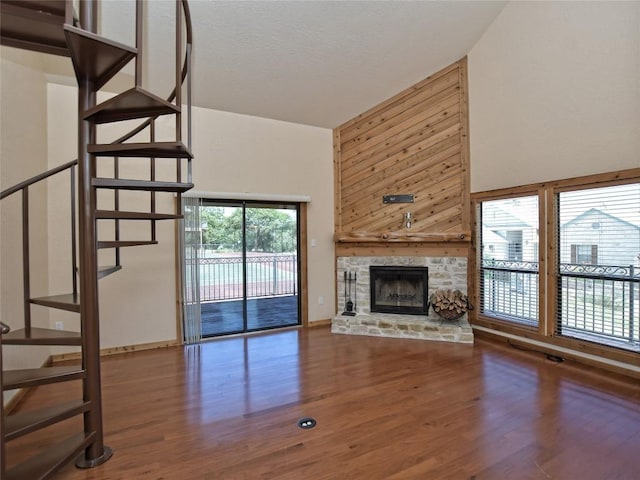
554, 92
22, 155
244, 154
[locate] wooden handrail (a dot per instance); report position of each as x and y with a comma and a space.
37, 178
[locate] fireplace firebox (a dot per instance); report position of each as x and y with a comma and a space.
402, 290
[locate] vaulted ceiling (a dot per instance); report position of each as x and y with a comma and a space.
311, 62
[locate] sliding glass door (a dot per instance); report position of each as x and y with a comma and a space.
248, 266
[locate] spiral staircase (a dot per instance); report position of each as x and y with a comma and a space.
53, 27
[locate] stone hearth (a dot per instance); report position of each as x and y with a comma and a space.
404, 326
444, 272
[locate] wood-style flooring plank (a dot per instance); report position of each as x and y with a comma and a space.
386, 409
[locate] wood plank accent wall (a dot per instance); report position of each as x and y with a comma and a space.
413, 143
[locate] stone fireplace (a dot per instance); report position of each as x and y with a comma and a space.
435, 272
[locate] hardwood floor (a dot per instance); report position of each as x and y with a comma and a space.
385, 409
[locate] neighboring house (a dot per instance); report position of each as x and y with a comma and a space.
592, 238
506, 236
599, 238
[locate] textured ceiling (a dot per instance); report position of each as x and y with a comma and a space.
311, 62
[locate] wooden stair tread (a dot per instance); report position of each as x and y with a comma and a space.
147, 150
34, 25
32, 377
146, 185
47, 462
134, 103
122, 215
125, 243
68, 301
42, 336
96, 58
107, 270
23, 423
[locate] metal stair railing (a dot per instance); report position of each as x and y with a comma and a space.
96, 452
3, 330
183, 73
24, 188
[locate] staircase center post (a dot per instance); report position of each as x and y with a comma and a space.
96, 453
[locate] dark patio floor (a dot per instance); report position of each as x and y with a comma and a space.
219, 318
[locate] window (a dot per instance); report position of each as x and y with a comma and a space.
571, 281
598, 281
584, 254
508, 274
514, 238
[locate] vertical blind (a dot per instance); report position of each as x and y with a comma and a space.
190, 248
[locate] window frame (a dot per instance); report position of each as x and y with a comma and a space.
548, 263
496, 323
477, 272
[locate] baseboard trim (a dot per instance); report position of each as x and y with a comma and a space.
629, 371
15, 400
320, 323
105, 352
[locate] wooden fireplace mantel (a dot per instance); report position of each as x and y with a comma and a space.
401, 237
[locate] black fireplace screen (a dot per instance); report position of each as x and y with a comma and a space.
399, 289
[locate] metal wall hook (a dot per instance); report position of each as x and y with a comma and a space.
407, 220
